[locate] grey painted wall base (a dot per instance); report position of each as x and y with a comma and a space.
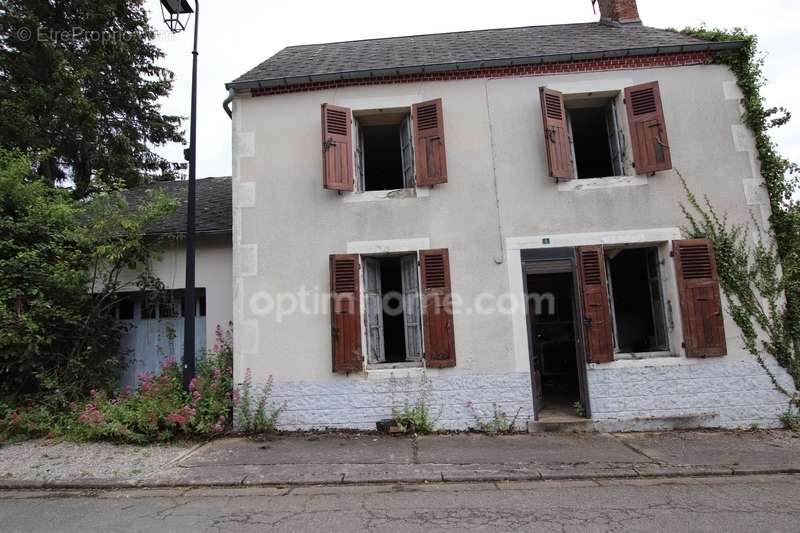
658, 396
358, 403
720, 392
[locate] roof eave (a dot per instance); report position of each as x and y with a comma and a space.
468, 65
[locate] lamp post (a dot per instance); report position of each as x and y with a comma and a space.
176, 15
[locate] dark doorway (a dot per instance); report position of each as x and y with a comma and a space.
551, 310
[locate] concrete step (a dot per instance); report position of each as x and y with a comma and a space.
561, 426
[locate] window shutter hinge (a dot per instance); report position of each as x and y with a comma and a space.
672, 253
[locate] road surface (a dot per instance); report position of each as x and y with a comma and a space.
729, 504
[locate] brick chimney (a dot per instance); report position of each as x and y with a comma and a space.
619, 12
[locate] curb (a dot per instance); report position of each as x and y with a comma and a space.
665, 472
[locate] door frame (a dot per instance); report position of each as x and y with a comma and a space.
556, 261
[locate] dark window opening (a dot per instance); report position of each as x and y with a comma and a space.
595, 140
637, 298
384, 158
125, 308
551, 300
382, 162
392, 313
394, 336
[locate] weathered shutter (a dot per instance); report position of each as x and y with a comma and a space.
431, 160
411, 311
596, 311
701, 307
345, 314
373, 316
556, 137
337, 148
649, 140
437, 309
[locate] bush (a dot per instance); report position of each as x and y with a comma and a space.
158, 410
60, 266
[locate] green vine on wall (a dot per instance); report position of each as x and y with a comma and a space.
761, 281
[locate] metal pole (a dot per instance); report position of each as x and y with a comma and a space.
189, 294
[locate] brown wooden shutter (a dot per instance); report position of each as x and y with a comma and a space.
556, 135
345, 314
437, 309
431, 159
648, 129
337, 148
596, 311
701, 307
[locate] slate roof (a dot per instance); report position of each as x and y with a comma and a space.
214, 205
466, 49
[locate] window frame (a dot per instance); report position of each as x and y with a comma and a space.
613, 100
410, 361
359, 156
665, 302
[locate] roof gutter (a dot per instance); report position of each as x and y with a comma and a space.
484, 63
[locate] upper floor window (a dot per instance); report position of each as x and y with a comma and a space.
384, 155
595, 135
583, 137
373, 150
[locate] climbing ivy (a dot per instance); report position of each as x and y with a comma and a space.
761, 280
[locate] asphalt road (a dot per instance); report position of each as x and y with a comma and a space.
729, 504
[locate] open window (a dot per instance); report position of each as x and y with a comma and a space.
384, 158
392, 315
584, 137
637, 300
385, 149
597, 141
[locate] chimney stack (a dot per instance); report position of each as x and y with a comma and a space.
619, 12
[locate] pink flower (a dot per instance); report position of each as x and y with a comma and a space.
237, 396
93, 393
196, 396
193, 385
168, 363
91, 416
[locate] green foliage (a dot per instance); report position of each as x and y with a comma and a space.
258, 416
60, 269
781, 179
79, 80
580, 410
791, 419
496, 423
416, 417
158, 410
749, 274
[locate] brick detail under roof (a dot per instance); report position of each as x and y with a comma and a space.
541, 69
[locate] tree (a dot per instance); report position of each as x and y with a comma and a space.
60, 271
79, 82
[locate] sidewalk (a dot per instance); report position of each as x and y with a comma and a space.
361, 459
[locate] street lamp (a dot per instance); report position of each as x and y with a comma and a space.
176, 16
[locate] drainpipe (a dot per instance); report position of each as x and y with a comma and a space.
226, 104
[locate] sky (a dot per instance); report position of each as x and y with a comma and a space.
236, 35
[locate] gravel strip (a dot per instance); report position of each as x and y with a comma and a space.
47, 460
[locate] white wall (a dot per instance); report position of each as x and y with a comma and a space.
213, 267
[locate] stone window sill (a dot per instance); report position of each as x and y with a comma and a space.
591, 184
393, 194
